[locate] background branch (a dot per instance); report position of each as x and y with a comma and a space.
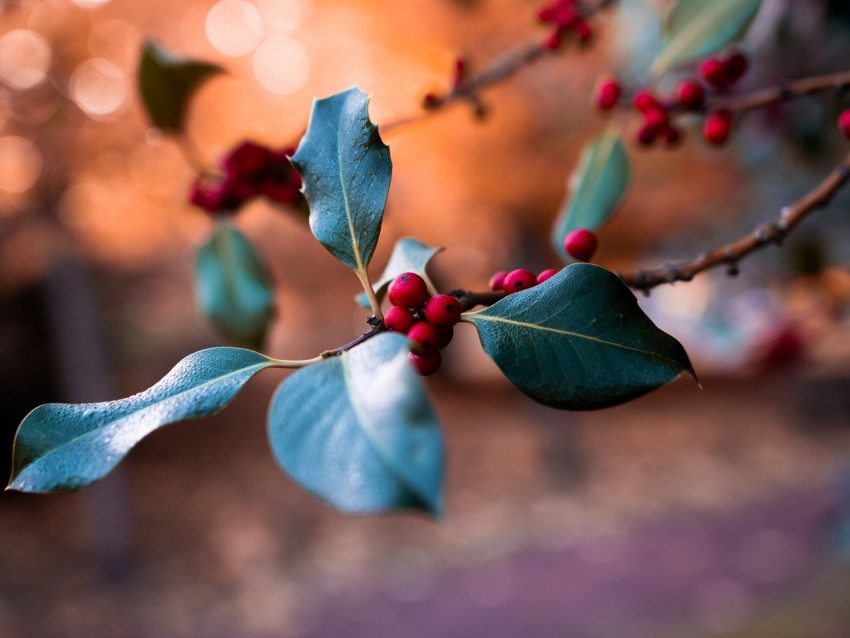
499, 70
772, 232
838, 82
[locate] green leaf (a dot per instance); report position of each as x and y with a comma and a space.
359, 432
409, 255
166, 83
599, 183
233, 287
346, 170
579, 341
65, 447
698, 28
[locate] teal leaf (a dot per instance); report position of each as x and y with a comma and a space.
359, 432
65, 447
579, 341
600, 183
233, 287
166, 83
346, 170
409, 255
695, 29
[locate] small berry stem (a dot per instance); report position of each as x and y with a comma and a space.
769, 233
348, 346
370, 293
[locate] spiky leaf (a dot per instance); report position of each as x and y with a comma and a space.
166, 83
346, 170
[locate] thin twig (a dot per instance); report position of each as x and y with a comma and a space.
772, 232
784, 92
376, 329
499, 70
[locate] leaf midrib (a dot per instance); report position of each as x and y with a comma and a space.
578, 335
355, 244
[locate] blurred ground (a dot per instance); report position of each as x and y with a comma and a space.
687, 513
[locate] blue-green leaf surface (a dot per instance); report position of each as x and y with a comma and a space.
166, 83
599, 184
346, 170
65, 447
579, 341
233, 287
695, 29
409, 255
359, 432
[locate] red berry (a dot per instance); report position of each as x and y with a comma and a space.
553, 42
442, 310
608, 93
247, 159
646, 135
736, 66
645, 100
408, 290
717, 127
844, 123
580, 244
425, 364
398, 319
583, 30
497, 281
431, 101
714, 72
519, 279
546, 274
672, 136
656, 119
546, 14
444, 336
690, 94
424, 337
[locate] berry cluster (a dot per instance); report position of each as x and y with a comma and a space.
719, 73
565, 16
519, 279
579, 244
427, 321
248, 171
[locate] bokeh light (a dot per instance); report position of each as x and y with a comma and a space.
25, 58
20, 164
282, 16
99, 87
234, 27
281, 65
